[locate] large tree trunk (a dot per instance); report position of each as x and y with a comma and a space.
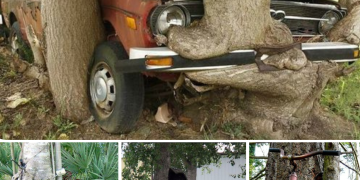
72, 30
191, 170
38, 161
281, 104
277, 168
162, 172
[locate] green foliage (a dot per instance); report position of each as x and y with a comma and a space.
91, 160
233, 129
17, 120
256, 165
342, 96
27, 53
135, 153
141, 158
63, 125
5, 158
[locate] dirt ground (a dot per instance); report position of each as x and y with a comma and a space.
38, 119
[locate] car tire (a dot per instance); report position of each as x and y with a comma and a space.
18, 45
116, 99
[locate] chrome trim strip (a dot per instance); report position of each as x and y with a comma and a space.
306, 35
327, 45
305, 18
321, 6
197, 16
197, 68
339, 61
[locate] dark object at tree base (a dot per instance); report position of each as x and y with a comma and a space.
4, 32
176, 176
319, 176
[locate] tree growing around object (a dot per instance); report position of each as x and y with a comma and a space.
282, 104
37, 158
316, 167
146, 160
307, 169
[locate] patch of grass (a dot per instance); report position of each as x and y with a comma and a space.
355, 134
42, 111
233, 129
63, 125
50, 136
3, 129
342, 96
17, 120
10, 74
210, 131
208, 135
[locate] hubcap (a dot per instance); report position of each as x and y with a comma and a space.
102, 89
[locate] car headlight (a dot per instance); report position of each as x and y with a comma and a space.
331, 19
172, 15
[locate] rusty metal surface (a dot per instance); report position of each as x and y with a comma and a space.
115, 12
26, 12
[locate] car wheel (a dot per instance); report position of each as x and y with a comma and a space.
116, 98
18, 45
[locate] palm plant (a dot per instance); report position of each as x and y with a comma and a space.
91, 160
5, 158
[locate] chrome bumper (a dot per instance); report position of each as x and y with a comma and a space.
335, 51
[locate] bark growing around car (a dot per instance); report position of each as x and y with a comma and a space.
277, 105
348, 30
72, 30
226, 26
307, 169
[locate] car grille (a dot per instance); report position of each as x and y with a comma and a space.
304, 24
301, 18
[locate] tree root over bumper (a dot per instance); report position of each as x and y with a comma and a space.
278, 105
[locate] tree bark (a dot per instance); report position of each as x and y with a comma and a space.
281, 104
348, 29
226, 26
332, 163
38, 161
162, 172
72, 30
191, 170
307, 169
